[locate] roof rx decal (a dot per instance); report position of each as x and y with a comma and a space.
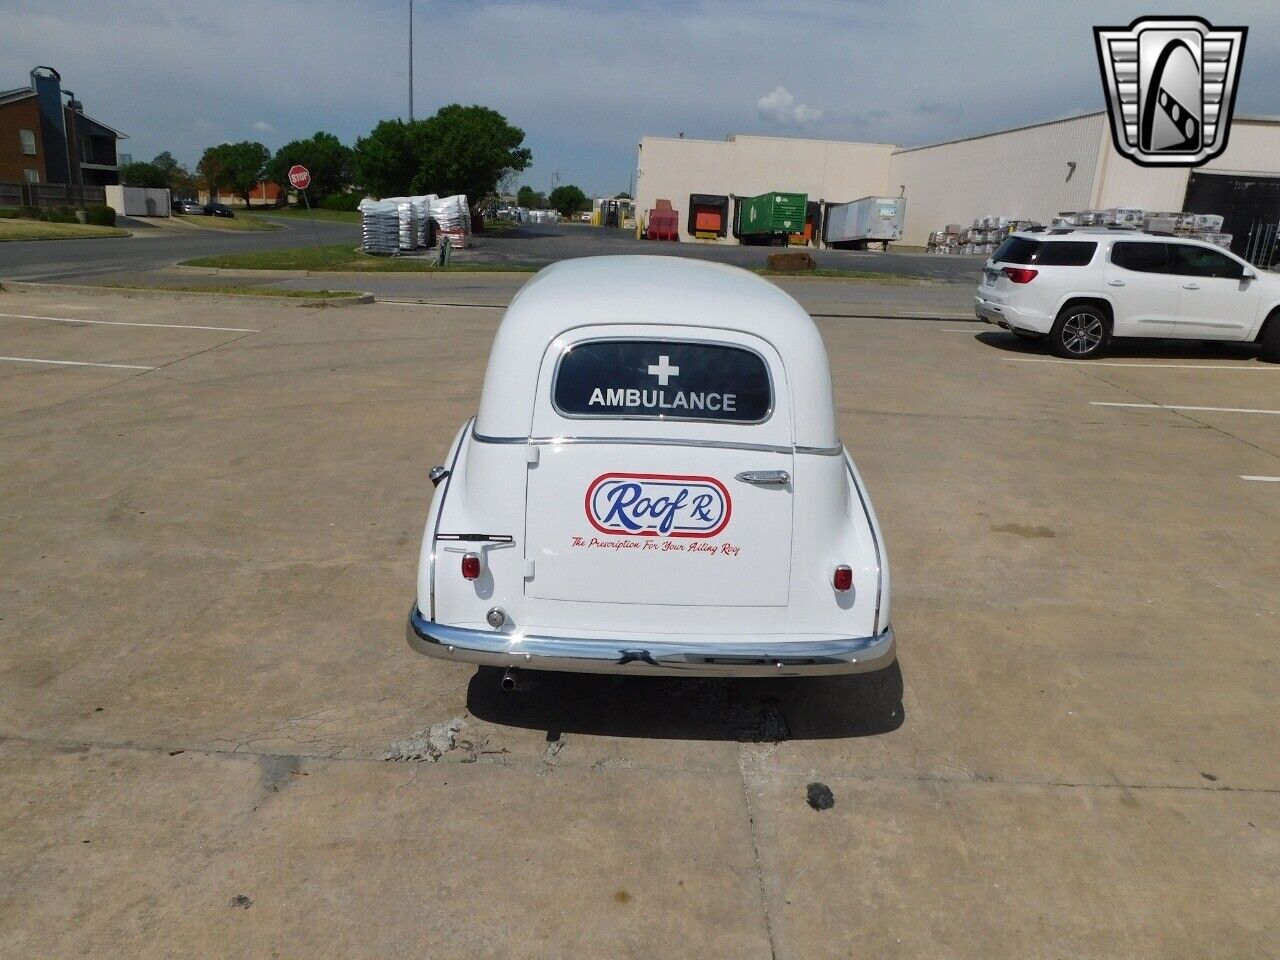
658, 505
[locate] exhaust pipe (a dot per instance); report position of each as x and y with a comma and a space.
510, 679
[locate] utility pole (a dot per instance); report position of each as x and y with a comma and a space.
411, 61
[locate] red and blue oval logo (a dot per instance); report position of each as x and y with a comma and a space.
658, 505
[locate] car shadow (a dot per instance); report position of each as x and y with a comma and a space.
675, 708
1129, 348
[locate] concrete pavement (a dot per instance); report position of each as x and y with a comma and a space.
203, 671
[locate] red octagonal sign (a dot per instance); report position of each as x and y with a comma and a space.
299, 176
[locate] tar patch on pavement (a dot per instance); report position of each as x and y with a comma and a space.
241, 901
820, 796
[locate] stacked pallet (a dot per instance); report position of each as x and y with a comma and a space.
1200, 226
982, 236
453, 218
379, 227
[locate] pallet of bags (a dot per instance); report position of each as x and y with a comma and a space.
1222, 240
422, 204
379, 227
453, 219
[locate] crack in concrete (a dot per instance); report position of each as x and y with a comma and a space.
503, 758
755, 851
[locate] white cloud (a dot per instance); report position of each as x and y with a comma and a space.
263, 127
781, 107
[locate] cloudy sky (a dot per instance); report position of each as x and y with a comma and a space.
585, 80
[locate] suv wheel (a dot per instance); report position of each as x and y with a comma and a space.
1079, 333
1271, 340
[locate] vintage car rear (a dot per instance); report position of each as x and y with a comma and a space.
653, 484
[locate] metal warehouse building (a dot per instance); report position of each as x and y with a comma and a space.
1032, 172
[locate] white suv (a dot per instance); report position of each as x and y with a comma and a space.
1080, 287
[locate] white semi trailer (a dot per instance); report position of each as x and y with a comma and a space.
868, 220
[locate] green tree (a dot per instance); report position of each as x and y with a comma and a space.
466, 150
237, 166
384, 162
324, 155
142, 174
568, 200
459, 150
177, 177
530, 198
622, 196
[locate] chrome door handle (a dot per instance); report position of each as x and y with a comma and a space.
765, 478
1115, 283
1191, 286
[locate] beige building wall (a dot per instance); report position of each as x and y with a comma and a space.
746, 166
1022, 174
1253, 147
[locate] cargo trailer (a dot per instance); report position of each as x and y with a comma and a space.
770, 217
868, 220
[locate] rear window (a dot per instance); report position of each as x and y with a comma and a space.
1142, 257
1045, 253
662, 380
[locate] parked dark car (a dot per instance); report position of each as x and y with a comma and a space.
187, 206
218, 210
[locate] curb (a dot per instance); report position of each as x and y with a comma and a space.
93, 236
161, 293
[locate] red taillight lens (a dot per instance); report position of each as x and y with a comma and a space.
1020, 274
470, 566
843, 580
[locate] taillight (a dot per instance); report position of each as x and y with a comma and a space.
470, 566
1020, 274
843, 580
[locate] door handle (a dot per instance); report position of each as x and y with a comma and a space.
765, 478
1191, 286
1115, 283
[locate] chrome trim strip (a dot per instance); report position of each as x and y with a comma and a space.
477, 537
875, 540
771, 657
448, 481
664, 442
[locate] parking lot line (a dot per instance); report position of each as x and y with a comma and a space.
1261, 479
128, 323
1273, 368
77, 363
1173, 406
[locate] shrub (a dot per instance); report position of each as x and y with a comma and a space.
29, 213
342, 201
9, 213
100, 215
58, 215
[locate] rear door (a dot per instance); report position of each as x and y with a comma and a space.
1144, 295
660, 470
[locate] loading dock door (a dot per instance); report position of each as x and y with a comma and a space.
1245, 202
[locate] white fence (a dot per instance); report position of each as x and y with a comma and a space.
138, 201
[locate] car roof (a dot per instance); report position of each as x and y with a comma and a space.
1102, 233
649, 290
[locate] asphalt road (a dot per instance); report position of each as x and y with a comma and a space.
152, 248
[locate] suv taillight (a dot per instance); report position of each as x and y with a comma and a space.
1020, 274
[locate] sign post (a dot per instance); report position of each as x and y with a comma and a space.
300, 179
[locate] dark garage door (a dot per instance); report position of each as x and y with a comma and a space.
1250, 206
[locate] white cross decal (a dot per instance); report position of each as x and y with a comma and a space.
663, 370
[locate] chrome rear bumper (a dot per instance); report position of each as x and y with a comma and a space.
735, 658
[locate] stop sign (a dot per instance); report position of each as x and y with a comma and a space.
299, 176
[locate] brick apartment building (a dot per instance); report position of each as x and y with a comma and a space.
44, 140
